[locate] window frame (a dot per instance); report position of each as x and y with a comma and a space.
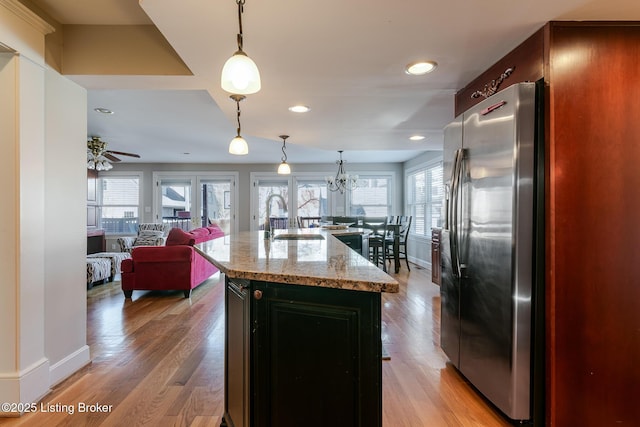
196, 177
428, 203
389, 176
292, 182
99, 196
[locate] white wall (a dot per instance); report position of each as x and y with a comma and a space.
39, 347
65, 226
23, 365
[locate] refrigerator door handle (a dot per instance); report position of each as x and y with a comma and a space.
447, 204
460, 208
453, 212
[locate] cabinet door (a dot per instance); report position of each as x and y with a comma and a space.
317, 357
237, 352
353, 241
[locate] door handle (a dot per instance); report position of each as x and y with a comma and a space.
454, 214
257, 294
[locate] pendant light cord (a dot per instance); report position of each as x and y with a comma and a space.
240, 10
238, 115
284, 154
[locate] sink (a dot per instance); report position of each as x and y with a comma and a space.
296, 236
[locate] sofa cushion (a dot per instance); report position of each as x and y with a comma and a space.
162, 254
200, 235
177, 236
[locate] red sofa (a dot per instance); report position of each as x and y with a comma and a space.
175, 266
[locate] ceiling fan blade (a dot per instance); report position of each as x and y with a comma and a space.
110, 157
120, 153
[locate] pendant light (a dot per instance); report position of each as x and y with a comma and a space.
284, 168
240, 74
238, 145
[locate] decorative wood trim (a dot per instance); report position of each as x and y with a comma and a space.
24, 13
493, 86
526, 62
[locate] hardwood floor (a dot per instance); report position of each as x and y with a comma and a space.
157, 360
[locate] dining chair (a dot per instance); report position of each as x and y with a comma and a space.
343, 220
378, 227
404, 224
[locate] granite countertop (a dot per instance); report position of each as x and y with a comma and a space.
325, 262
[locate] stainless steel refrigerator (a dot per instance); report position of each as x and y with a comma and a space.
491, 248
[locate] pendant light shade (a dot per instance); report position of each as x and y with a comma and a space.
240, 74
238, 145
284, 168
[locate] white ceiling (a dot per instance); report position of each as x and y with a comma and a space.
343, 59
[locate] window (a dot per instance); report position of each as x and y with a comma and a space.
305, 196
311, 198
190, 200
424, 195
372, 197
278, 208
177, 208
119, 203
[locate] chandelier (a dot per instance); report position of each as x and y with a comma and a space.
95, 155
240, 74
342, 181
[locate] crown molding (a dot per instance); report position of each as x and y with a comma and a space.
24, 13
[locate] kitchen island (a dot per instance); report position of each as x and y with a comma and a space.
302, 329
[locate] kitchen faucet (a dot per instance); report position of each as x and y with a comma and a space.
267, 222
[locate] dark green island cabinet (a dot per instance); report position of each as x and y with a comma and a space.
357, 242
302, 331
301, 356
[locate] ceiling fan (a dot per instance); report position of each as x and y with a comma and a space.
99, 158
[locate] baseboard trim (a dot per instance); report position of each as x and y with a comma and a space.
69, 365
422, 263
27, 386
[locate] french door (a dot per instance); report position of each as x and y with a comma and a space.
216, 196
293, 201
191, 200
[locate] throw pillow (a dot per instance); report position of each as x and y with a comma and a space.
178, 236
146, 240
164, 228
149, 238
150, 233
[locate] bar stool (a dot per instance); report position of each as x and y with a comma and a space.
378, 227
404, 224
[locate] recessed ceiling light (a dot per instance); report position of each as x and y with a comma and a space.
416, 137
103, 110
421, 67
299, 109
